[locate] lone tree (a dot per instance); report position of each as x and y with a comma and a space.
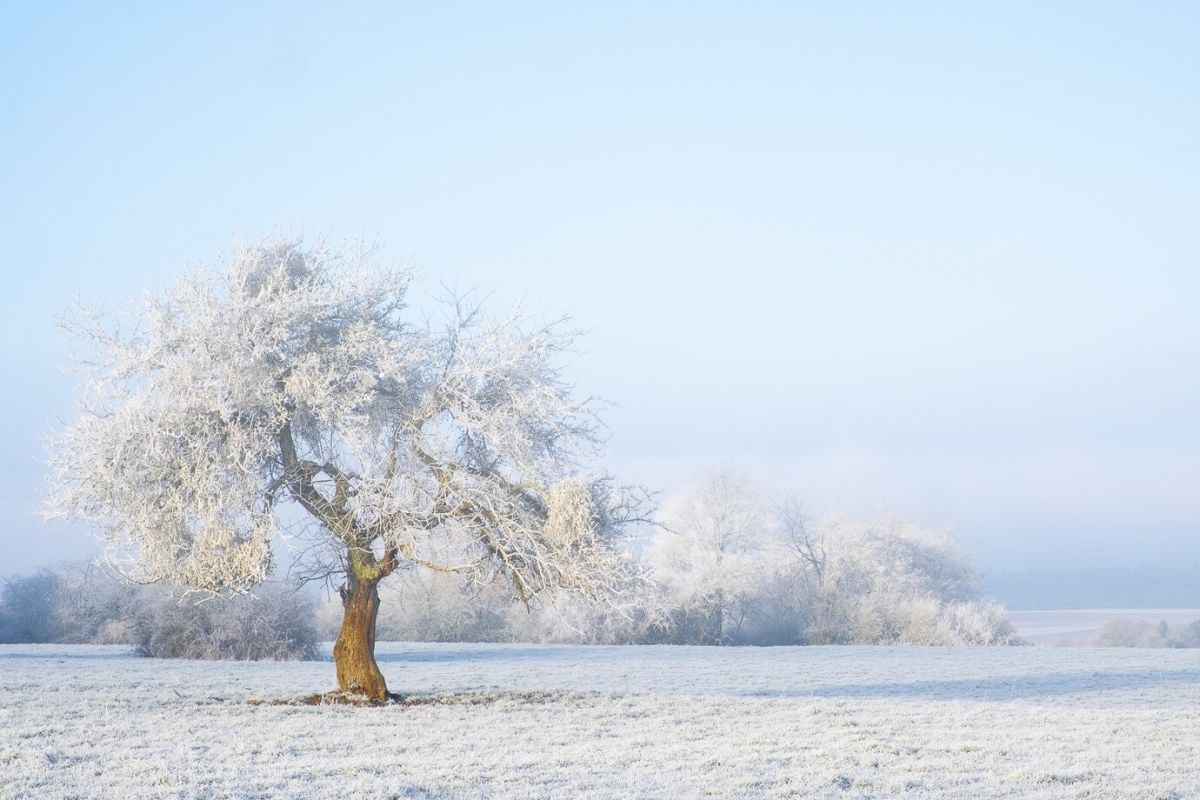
294, 379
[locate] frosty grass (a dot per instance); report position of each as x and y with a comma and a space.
515, 721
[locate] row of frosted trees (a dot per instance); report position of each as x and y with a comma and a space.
730, 566
726, 566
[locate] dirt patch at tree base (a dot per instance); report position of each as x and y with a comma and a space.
444, 699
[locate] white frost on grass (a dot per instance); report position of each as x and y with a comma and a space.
643, 722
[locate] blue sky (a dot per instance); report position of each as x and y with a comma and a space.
934, 259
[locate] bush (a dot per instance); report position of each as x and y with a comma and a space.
93, 606
978, 623
271, 624
428, 606
85, 604
733, 569
1131, 633
1188, 637
27, 608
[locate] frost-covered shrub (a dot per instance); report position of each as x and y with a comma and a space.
272, 624
573, 621
734, 569
885, 582
77, 603
1188, 636
978, 623
929, 620
1143, 633
886, 618
86, 604
424, 605
430, 606
1131, 633
93, 606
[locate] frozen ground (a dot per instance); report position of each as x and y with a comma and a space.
578, 722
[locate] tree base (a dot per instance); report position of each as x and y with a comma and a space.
336, 698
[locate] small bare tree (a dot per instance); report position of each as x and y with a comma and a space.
294, 378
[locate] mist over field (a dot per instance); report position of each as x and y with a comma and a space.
616, 401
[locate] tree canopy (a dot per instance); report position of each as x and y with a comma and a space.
298, 377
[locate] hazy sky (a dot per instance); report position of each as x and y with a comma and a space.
936, 259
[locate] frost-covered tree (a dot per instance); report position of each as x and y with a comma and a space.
295, 378
734, 568
705, 555
881, 582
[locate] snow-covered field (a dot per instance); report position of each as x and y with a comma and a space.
645, 722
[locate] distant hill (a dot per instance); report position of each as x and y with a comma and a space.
1111, 587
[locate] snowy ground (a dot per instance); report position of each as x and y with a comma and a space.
647, 722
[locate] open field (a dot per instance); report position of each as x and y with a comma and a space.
569, 722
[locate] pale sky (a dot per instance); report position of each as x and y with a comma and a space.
937, 260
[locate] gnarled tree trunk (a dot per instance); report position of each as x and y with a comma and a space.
354, 650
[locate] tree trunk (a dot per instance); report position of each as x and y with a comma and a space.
718, 621
354, 650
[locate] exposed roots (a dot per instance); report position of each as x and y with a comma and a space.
445, 699
330, 699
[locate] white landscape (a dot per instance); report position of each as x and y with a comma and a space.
522, 721
740, 373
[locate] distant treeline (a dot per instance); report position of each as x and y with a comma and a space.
86, 604
1110, 587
